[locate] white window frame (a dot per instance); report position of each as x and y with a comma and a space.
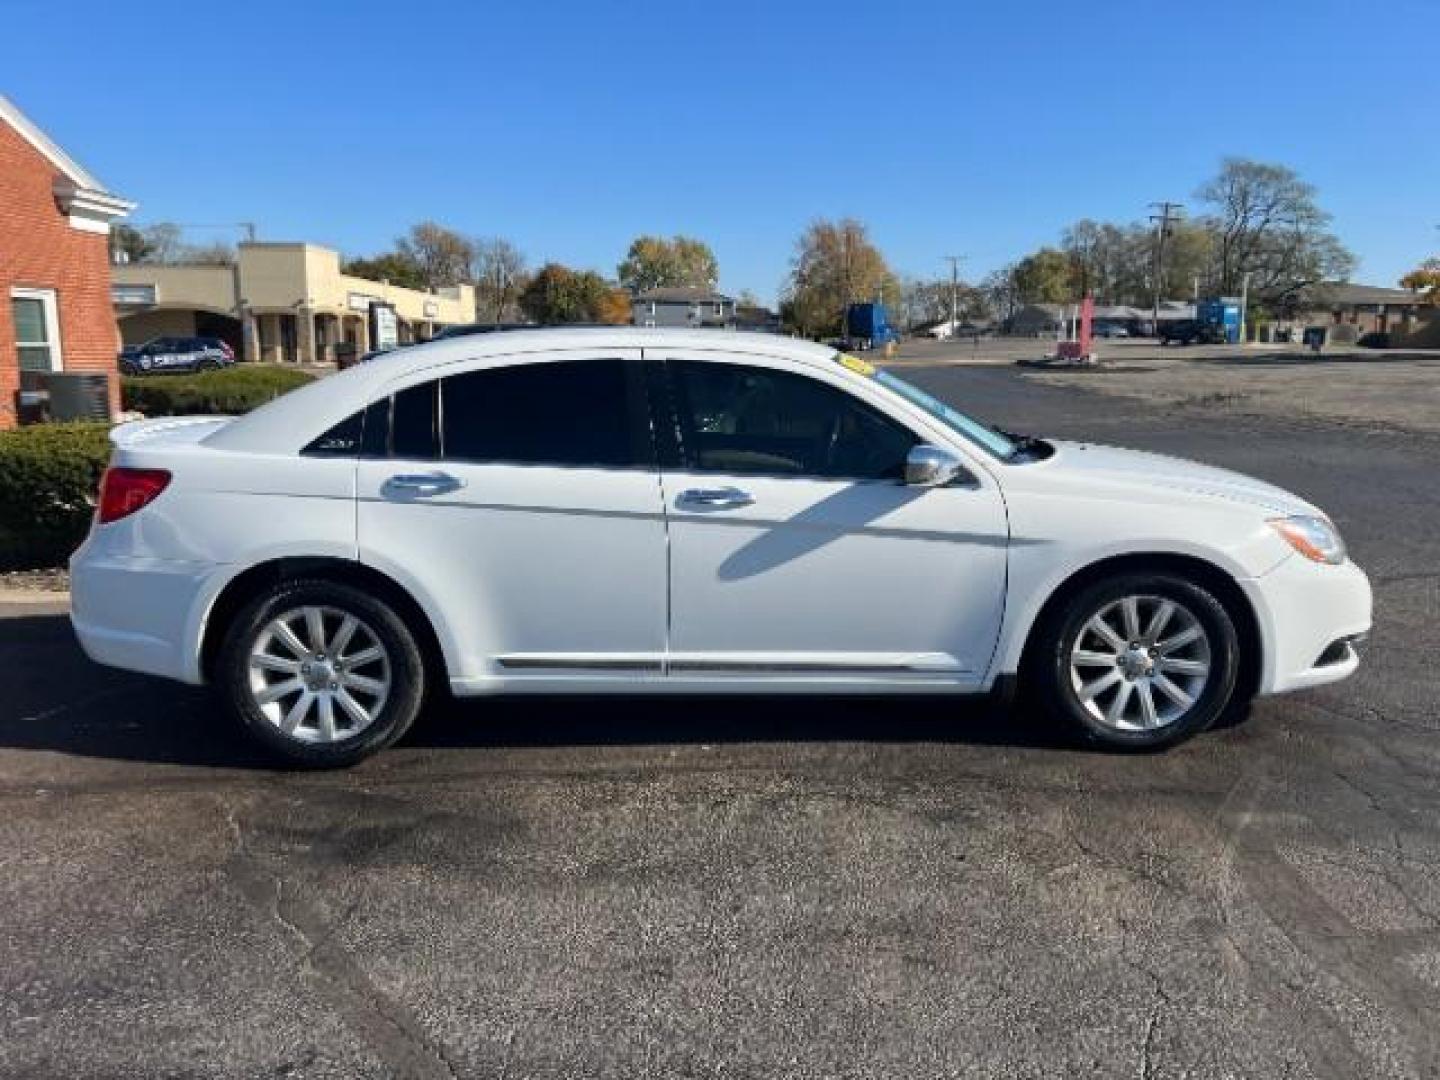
720, 308
49, 304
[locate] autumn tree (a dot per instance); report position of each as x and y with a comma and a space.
654, 262
1045, 277
1425, 280
835, 264
443, 255
498, 270
557, 295
613, 306
1267, 224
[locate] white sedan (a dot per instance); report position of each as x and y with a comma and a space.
617, 510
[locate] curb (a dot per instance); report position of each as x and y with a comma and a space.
33, 596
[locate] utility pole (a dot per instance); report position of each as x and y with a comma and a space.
1170, 213
954, 261
1244, 304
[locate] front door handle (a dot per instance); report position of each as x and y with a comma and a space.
421, 485
727, 498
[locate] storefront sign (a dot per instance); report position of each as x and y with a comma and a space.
384, 327
360, 301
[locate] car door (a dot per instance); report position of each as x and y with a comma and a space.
797, 553
521, 500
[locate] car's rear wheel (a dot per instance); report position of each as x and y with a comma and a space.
1139, 661
321, 673
208, 364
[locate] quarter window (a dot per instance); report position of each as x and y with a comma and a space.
736, 419
578, 413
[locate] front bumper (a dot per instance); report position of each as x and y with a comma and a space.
137, 613
1312, 616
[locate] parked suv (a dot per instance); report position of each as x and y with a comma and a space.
1190, 332
176, 354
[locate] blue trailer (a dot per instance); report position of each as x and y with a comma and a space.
1223, 316
869, 326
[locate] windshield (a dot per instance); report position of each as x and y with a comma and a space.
985, 437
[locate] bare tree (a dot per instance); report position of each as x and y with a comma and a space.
443, 255
497, 268
1267, 225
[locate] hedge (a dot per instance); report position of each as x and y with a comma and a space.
230, 390
49, 474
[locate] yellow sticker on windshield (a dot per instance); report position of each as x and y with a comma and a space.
855, 364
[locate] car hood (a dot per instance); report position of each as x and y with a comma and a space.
1089, 464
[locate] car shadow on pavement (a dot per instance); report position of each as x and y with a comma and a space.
57, 700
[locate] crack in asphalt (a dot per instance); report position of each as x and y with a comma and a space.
398, 1038
1160, 1002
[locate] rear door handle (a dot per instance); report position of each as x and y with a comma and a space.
421, 485
726, 498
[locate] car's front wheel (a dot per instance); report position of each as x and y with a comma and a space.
321, 673
1139, 661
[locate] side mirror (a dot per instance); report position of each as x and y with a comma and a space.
929, 466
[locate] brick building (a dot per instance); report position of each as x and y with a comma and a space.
55, 310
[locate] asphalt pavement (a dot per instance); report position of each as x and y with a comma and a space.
828, 888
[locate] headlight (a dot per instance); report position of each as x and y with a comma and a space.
1313, 537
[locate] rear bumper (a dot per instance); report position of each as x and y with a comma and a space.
1312, 617
139, 614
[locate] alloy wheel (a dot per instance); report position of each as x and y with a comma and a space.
319, 674
1140, 663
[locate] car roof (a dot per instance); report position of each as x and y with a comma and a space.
294, 419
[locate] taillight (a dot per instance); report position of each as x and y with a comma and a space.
123, 491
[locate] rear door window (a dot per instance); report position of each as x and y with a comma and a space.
576, 413
412, 422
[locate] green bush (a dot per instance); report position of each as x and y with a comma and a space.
229, 390
49, 474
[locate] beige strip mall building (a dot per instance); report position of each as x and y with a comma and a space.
280, 303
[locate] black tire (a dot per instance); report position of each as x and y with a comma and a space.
207, 365
1049, 662
406, 673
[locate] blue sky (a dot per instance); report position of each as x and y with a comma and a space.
572, 127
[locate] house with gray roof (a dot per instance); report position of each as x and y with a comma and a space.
683, 307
